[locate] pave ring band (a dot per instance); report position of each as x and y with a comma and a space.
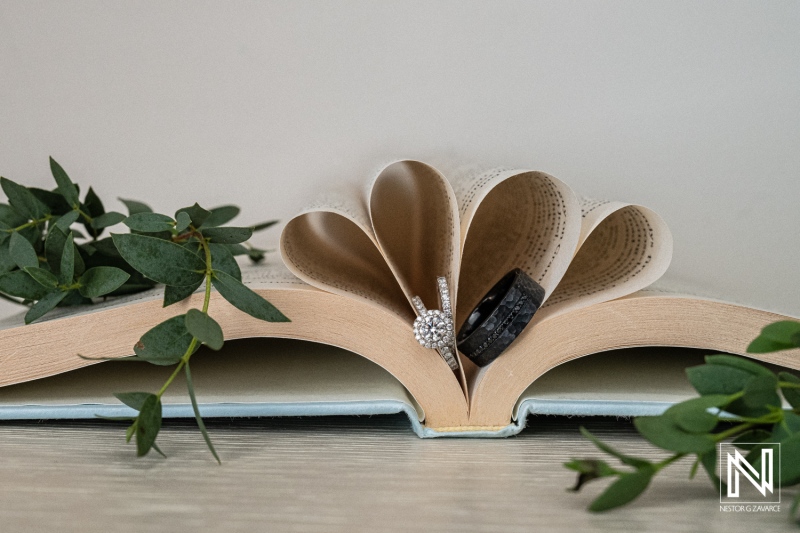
500, 317
434, 328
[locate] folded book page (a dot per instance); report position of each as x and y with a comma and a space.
512, 219
624, 248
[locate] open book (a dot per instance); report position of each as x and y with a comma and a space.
350, 265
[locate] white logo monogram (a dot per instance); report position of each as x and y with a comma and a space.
737, 465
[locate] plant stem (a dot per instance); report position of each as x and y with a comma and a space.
722, 435
206, 302
34, 222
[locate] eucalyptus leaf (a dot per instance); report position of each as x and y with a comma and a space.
227, 234
54, 248
106, 220
176, 294
223, 260
22, 251
148, 424
718, 379
589, 470
66, 268
134, 207
44, 277
765, 345
196, 409
65, 186
150, 222
245, 299
738, 362
204, 328
264, 225
6, 261
196, 213
665, 433
627, 459
66, 220
760, 392
182, 221
693, 416
625, 489
791, 394
43, 306
160, 260
23, 200
92, 204
19, 283
134, 400
102, 280
748, 439
52, 199
221, 215
166, 343
783, 331
11, 217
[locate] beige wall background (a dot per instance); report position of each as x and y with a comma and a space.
691, 108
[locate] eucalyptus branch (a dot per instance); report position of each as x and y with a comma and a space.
732, 390
44, 260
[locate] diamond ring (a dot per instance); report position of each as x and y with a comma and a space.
434, 328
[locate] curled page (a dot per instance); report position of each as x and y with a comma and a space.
513, 219
623, 249
414, 217
331, 246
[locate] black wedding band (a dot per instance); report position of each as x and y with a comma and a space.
500, 317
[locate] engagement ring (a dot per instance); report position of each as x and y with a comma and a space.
434, 329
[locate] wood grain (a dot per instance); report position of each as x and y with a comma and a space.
335, 474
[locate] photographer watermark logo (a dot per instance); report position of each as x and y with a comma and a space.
750, 485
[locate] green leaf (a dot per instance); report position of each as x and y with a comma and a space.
135, 207
11, 217
264, 225
204, 328
693, 416
22, 251
227, 235
98, 281
221, 215
237, 249
741, 363
52, 199
792, 395
148, 425
54, 248
222, 259
764, 345
196, 409
107, 219
625, 489
196, 213
244, 299
665, 433
709, 462
65, 186
6, 261
44, 306
150, 222
67, 220
160, 260
717, 379
92, 204
165, 343
182, 221
761, 392
66, 267
134, 400
789, 450
176, 294
783, 331
23, 200
19, 283
589, 470
44, 277
627, 459
748, 439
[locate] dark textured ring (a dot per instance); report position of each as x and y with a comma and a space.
500, 317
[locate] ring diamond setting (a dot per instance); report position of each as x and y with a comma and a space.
434, 328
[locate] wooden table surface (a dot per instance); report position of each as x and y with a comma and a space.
336, 474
